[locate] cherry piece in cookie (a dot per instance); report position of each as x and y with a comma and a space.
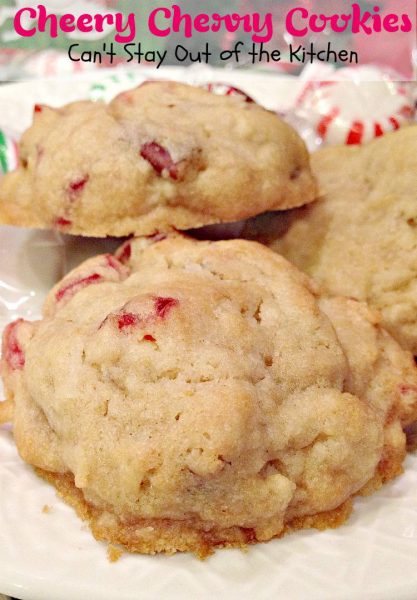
127, 320
159, 158
149, 338
144, 314
12, 350
164, 305
104, 268
124, 253
75, 286
77, 186
62, 222
114, 263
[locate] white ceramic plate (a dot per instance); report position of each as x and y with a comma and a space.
52, 556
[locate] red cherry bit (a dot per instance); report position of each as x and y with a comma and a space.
12, 351
159, 158
164, 305
149, 338
75, 286
126, 320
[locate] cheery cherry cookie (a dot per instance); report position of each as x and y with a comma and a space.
162, 156
360, 238
187, 395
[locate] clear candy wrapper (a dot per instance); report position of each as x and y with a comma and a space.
350, 106
31, 262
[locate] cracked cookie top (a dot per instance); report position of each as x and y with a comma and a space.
162, 156
206, 384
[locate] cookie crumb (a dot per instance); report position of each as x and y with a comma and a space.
46, 509
113, 553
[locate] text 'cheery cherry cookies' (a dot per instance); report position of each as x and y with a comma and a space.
162, 156
187, 395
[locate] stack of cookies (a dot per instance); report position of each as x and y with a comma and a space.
188, 394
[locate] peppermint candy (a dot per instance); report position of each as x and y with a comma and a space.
223, 89
345, 112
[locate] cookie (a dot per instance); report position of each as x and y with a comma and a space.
187, 395
360, 238
162, 156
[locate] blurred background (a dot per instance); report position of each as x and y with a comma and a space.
22, 58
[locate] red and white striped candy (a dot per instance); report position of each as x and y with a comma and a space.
343, 112
9, 153
223, 89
